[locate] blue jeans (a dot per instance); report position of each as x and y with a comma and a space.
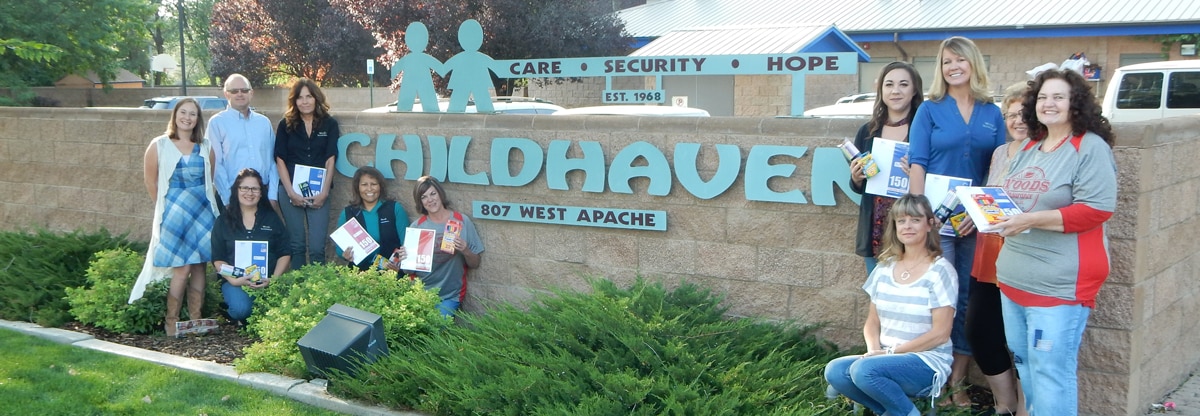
311, 244
240, 303
882, 383
1045, 345
960, 251
448, 307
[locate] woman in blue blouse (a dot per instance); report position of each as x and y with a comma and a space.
954, 134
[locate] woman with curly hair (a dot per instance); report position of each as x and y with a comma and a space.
307, 136
1055, 254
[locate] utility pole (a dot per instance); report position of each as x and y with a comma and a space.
182, 58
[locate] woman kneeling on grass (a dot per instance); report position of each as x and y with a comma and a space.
913, 292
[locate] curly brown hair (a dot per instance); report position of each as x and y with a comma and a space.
1085, 112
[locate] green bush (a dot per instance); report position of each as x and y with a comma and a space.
103, 301
641, 350
36, 267
296, 301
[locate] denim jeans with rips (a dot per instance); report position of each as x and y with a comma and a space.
1045, 345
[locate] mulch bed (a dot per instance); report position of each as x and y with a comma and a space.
221, 348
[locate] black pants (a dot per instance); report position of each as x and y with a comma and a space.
985, 329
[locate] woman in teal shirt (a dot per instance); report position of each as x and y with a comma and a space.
383, 218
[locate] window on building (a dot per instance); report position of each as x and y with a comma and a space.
869, 71
1139, 58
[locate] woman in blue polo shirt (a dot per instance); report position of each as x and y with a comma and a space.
954, 134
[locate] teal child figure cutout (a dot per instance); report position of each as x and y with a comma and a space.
418, 81
470, 67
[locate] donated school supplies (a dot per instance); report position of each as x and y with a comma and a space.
251, 257
986, 205
352, 234
418, 245
893, 181
936, 188
308, 180
850, 151
450, 236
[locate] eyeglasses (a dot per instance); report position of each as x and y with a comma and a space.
1012, 116
238, 91
250, 189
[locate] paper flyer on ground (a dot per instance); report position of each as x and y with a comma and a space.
891, 181
418, 245
986, 205
352, 234
936, 187
247, 253
308, 180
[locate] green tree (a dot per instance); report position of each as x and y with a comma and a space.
90, 34
292, 38
1169, 41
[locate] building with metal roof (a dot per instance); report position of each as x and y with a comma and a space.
1014, 36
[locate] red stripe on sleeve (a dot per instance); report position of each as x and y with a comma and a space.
1078, 218
1093, 266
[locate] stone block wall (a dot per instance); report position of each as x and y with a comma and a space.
67, 169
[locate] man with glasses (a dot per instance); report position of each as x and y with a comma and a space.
242, 139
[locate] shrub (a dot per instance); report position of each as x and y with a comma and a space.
103, 302
296, 301
36, 267
641, 350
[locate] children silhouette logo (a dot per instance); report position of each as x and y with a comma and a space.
416, 66
468, 71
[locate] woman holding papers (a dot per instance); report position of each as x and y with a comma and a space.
179, 176
954, 134
449, 272
898, 93
985, 324
1055, 254
908, 320
237, 242
306, 141
382, 218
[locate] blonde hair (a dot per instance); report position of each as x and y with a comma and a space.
979, 78
909, 205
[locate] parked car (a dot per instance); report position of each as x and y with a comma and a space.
635, 110
1153, 90
168, 103
500, 105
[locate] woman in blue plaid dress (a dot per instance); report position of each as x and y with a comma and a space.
178, 174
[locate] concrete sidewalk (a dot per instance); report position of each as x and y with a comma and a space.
1186, 399
312, 393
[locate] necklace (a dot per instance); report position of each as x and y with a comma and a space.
907, 271
898, 123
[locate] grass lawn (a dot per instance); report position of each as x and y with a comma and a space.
44, 378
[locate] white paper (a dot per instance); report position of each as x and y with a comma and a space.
418, 247
313, 176
352, 234
246, 253
891, 181
936, 188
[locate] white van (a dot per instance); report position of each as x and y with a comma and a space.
1153, 90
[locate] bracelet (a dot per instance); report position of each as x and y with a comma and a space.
889, 350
